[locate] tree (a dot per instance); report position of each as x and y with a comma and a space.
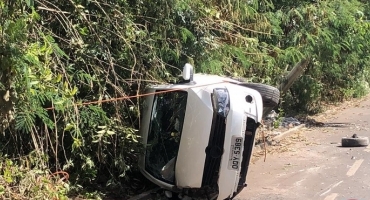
61, 59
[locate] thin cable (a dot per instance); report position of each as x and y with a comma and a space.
136, 96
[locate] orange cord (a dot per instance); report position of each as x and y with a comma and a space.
65, 175
136, 96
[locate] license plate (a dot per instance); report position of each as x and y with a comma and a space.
235, 153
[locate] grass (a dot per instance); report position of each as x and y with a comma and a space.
21, 182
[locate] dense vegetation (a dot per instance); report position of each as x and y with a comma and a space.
56, 57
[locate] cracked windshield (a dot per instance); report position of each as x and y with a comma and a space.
164, 135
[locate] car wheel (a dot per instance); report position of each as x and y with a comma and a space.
355, 141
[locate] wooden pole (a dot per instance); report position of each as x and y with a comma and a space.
293, 75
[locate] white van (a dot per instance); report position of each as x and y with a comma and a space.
199, 133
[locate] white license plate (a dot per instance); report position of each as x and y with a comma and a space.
236, 151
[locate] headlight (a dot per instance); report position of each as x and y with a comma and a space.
221, 101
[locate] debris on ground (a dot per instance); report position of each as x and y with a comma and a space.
289, 122
285, 145
273, 120
274, 125
355, 141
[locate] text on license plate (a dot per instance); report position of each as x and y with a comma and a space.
235, 153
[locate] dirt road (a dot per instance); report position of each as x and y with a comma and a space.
311, 164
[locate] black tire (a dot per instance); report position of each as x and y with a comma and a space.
355, 142
270, 95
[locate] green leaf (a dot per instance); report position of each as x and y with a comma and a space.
59, 102
69, 127
34, 82
84, 31
111, 132
186, 34
30, 3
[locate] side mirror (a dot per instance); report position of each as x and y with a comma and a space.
187, 73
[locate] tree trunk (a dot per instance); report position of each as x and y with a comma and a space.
293, 75
7, 100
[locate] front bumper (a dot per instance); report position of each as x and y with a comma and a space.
241, 122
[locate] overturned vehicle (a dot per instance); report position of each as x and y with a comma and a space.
199, 133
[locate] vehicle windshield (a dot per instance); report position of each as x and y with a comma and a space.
164, 136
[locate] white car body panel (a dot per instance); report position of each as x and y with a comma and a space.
196, 131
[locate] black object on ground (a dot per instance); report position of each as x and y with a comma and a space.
355, 141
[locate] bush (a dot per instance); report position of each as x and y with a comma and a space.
64, 63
